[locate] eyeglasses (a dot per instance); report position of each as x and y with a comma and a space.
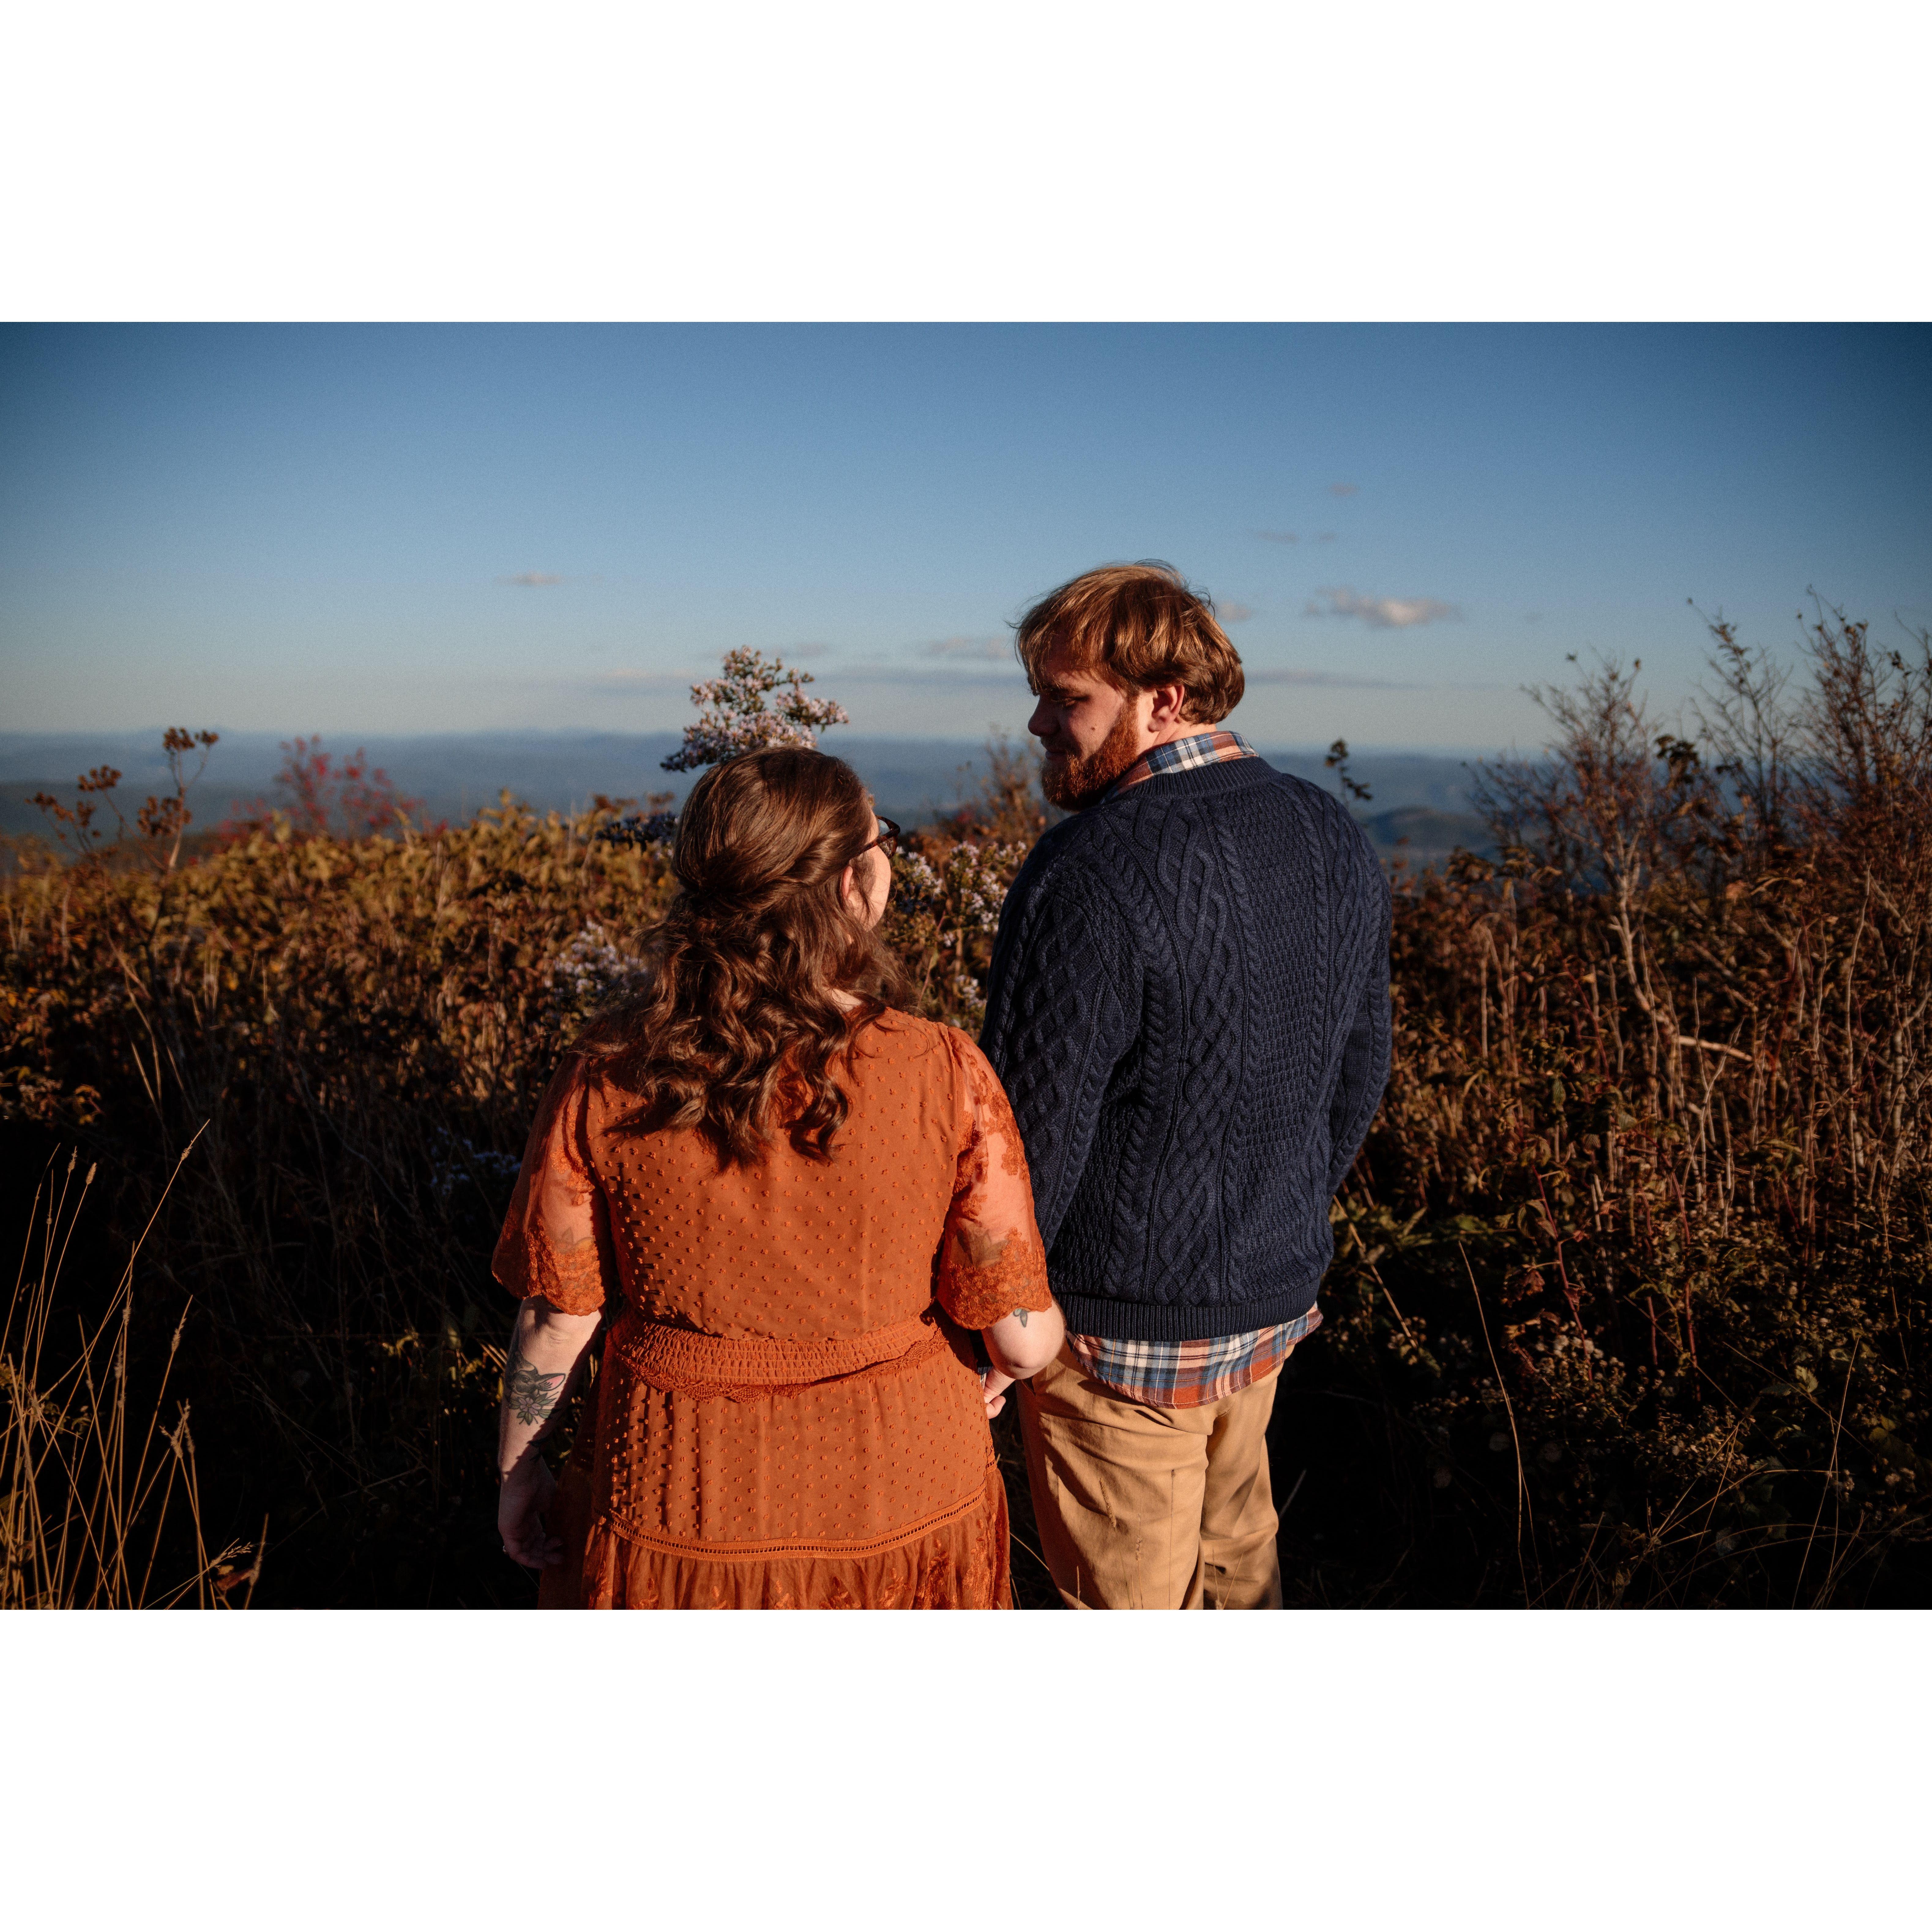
887, 842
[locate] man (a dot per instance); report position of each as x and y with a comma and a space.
1189, 1007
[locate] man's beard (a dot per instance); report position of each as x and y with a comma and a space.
1075, 783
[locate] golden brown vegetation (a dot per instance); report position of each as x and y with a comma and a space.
1628, 1277
1634, 1263
79, 1529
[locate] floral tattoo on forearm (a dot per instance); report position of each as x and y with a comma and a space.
531, 1396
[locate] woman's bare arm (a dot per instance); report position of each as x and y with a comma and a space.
1021, 1345
547, 1349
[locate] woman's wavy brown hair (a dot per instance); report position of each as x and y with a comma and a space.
738, 1030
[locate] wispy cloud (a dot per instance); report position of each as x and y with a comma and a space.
804, 651
989, 649
1278, 536
1326, 536
643, 680
1345, 681
1382, 614
531, 580
1343, 489
921, 673
1341, 680
1233, 613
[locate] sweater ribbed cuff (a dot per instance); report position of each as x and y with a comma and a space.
1116, 1321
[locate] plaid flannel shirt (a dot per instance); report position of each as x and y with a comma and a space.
1187, 1375
1182, 755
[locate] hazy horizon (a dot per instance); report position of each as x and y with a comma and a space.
455, 774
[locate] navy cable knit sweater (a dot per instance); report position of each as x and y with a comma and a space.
1189, 1010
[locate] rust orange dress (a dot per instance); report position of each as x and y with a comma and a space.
784, 1419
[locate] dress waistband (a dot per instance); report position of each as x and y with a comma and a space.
694, 1363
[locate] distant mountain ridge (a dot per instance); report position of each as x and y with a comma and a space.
1422, 797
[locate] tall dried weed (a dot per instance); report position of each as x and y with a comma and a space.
1630, 1271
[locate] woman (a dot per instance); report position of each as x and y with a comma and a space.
789, 1200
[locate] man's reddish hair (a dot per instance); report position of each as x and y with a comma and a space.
1139, 626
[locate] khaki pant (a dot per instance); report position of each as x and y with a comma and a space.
1145, 1508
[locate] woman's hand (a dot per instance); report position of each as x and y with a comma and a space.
521, 1501
993, 1383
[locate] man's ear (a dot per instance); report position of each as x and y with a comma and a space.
1169, 706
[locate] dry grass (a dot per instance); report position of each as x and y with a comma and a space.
79, 1529
1662, 1096
1629, 1277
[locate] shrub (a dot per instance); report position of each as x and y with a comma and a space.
1631, 1266
1628, 1275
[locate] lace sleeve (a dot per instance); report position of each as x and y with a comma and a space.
556, 1240
991, 1259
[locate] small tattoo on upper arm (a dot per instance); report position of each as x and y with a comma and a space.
1022, 1314
531, 1396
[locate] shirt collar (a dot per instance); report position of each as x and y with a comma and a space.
1182, 755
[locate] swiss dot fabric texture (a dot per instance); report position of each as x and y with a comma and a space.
782, 1415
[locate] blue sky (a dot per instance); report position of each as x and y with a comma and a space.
393, 528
